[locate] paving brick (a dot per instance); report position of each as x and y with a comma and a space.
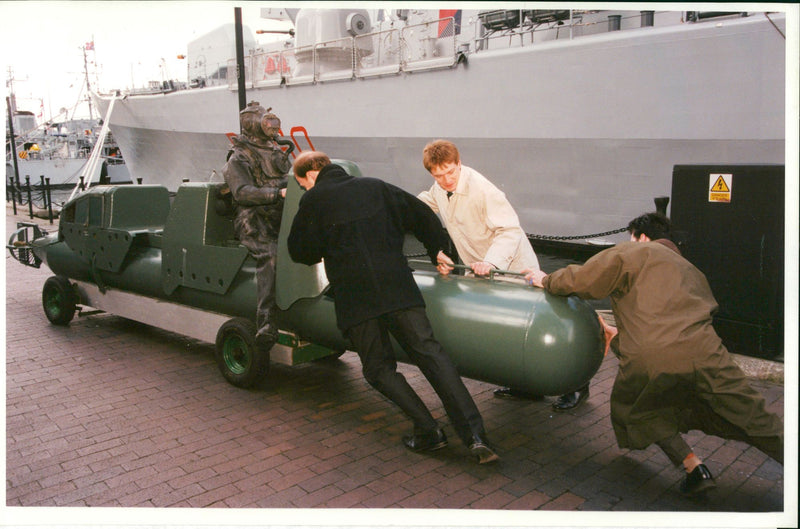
564, 502
530, 501
350, 498
108, 412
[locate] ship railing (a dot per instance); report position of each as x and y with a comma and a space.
429, 45
270, 68
386, 56
305, 67
335, 59
421, 46
230, 73
502, 29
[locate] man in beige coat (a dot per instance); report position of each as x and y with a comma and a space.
485, 230
674, 374
479, 219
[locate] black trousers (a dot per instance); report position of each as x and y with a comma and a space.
412, 330
266, 255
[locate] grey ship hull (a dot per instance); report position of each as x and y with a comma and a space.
62, 171
59, 171
580, 134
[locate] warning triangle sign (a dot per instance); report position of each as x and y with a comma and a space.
720, 186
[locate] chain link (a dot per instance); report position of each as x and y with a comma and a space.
550, 238
38, 197
574, 237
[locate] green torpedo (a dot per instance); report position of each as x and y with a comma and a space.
173, 262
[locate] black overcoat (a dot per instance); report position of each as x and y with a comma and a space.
357, 226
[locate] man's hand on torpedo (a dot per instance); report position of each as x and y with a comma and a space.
445, 264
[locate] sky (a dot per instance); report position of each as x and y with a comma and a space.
42, 44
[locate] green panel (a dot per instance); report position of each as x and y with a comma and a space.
106, 248
100, 224
138, 207
199, 249
294, 280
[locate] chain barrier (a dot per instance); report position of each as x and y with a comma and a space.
38, 195
574, 237
549, 238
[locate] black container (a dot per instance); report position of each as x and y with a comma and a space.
728, 220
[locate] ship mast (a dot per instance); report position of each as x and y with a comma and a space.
12, 96
86, 76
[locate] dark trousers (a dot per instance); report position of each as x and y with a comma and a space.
265, 255
412, 330
675, 448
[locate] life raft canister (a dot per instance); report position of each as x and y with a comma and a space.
270, 67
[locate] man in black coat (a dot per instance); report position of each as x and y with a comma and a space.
357, 226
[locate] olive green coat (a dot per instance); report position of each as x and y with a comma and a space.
674, 373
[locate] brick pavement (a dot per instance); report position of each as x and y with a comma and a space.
107, 412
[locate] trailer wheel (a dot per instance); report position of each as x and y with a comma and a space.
238, 357
59, 300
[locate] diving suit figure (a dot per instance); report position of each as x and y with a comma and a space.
256, 175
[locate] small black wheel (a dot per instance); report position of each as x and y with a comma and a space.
238, 357
59, 300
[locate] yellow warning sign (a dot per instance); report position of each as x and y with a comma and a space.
720, 187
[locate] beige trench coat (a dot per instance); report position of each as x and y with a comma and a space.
482, 223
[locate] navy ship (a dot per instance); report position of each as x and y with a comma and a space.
578, 116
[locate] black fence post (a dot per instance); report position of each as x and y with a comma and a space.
13, 194
49, 200
28, 190
44, 195
18, 188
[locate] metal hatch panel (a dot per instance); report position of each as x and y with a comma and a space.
198, 248
296, 281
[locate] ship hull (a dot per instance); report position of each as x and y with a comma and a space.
581, 134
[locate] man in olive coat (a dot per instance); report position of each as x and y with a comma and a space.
357, 226
674, 372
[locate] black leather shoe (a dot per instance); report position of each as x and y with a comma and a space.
516, 394
479, 448
697, 481
570, 401
426, 442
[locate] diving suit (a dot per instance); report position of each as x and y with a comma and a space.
255, 173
